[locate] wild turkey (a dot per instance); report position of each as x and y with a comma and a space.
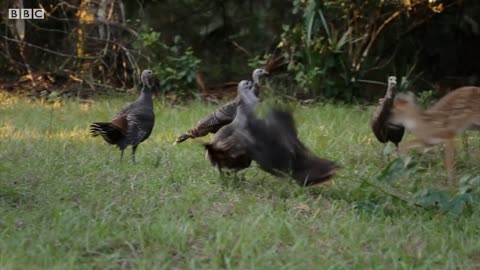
133, 124
256, 76
224, 151
222, 116
454, 113
384, 130
273, 143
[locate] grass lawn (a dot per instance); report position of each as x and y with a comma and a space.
66, 202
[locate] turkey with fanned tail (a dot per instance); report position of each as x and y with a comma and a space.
223, 115
272, 142
133, 124
225, 150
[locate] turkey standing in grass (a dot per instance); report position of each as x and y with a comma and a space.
381, 127
273, 143
222, 116
133, 124
224, 151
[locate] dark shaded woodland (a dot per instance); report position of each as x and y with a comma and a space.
342, 49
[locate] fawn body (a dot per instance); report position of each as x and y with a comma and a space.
450, 116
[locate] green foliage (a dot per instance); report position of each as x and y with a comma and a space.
466, 199
320, 63
425, 99
176, 67
258, 61
335, 47
338, 47
399, 167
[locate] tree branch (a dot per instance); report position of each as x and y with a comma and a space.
48, 50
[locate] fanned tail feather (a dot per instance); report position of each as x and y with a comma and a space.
276, 62
109, 132
183, 138
311, 170
223, 159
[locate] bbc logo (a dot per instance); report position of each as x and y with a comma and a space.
26, 13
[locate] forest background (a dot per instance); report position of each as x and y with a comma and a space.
342, 50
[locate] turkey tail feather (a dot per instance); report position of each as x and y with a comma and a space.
311, 170
183, 138
109, 132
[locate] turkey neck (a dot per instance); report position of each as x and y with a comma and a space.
245, 107
256, 85
391, 91
146, 96
243, 113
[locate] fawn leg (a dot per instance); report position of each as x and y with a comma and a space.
382, 150
465, 144
397, 150
449, 152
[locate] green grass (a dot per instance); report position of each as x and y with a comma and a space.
66, 202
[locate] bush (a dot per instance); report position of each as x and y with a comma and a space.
176, 67
338, 47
